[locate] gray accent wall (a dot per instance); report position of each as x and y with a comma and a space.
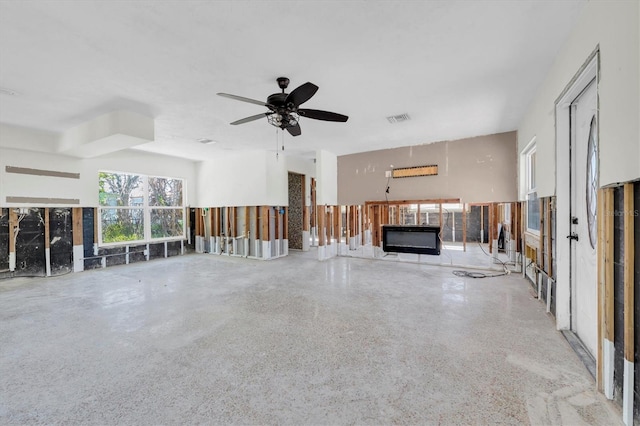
476, 170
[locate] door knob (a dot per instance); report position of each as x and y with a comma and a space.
573, 236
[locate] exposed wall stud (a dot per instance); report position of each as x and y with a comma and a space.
629, 299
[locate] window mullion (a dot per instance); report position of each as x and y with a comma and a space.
147, 212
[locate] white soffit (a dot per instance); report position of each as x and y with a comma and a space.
106, 134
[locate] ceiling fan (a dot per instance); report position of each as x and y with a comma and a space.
284, 109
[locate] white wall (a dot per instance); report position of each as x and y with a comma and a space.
28, 139
250, 178
233, 178
86, 187
474, 170
327, 178
614, 27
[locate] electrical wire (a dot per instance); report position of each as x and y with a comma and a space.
386, 191
468, 274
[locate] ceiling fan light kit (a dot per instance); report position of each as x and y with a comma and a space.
284, 108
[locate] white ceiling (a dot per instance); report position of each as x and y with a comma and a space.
458, 68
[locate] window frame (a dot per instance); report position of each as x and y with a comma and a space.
146, 212
531, 190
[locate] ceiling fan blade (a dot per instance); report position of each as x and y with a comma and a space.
243, 99
295, 130
301, 94
322, 115
252, 118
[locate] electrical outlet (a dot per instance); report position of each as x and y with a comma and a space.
387, 174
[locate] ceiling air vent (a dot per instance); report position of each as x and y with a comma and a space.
398, 118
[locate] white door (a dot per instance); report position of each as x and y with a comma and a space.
584, 185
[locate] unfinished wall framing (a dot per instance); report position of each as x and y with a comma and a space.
259, 232
540, 253
618, 303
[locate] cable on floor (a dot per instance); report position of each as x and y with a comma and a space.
468, 274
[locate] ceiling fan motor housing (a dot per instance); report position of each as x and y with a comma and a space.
277, 100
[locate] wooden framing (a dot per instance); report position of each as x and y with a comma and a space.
601, 286
541, 240
314, 207
247, 221
337, 224
547, 233
402, 172
257, 219
305, 208
264, 215
234, 222
321, 227
285, 224
491, 214
608, 265
375, 231
441, 223
429, 201
329, 223
77, 226
464, 227
629, 248
197, 224
218, 220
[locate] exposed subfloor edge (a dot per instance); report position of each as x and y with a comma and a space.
578, 347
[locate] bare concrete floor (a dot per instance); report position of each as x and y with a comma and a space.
219, 340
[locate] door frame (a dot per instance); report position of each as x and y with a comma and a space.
589, 71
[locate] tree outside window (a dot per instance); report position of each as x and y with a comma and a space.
138, 208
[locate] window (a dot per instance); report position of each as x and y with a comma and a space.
592, 183
533, 205
138, 208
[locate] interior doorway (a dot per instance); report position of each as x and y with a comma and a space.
295, 213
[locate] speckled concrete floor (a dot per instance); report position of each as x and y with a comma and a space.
218, 340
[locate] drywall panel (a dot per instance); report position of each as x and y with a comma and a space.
108, 133
23, 138
481, 169
613, 27
326, 178
277, 193
35, 186
232, 179
248, 178
83, 189
301, 165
